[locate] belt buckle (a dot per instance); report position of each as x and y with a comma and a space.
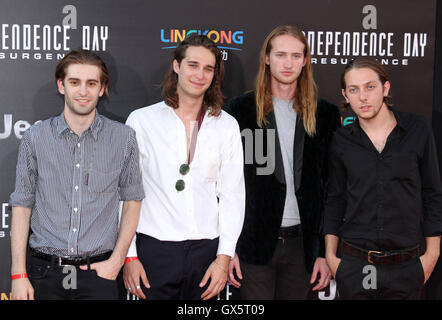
373, 252
60, 264
60, 261
282, 238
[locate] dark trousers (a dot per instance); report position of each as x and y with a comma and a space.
175, 268
357, 279
53, 282
434, 284
283, 278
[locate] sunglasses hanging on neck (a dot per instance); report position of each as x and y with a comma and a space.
184, 169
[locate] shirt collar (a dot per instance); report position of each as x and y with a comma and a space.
95, 127
399, 120
61, 124
164, 107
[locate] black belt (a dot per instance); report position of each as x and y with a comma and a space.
381, 257
289, 232
71, 260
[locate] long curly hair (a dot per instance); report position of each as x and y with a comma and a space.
213, 97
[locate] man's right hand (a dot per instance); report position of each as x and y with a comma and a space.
22, 289
132, 272
234, 265
331, 246
333, 263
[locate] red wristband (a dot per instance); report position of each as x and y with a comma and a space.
130, 259
19, 276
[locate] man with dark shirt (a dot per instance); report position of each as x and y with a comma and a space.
384, 195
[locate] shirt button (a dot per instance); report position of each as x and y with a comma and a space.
78, 145
77, 165
76, 188
75, 209
74, 230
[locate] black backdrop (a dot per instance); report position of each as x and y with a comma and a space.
134, 38
434, 286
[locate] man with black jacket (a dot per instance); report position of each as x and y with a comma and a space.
281, 241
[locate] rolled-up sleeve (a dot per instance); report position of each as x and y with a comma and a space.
131, 186
26, 174
336, 204
431, 188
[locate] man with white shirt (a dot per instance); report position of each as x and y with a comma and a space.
192, 166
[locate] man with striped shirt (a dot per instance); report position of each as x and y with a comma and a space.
72, 171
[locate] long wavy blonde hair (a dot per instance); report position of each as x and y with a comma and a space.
306, 90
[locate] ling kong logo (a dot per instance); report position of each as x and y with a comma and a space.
225, 39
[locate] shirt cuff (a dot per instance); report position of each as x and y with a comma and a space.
332, 225
132, 192
22, 200
226, 247
432, 229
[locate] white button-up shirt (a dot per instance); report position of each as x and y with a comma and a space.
212, 203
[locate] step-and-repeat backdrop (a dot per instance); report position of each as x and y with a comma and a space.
136, 39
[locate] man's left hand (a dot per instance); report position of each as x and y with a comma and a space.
107, 269
428, 263
217, 273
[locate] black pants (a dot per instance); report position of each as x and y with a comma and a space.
434, 284
357, 279
283, 278
175, 268
53, 282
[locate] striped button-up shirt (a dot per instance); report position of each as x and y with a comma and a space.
74, 184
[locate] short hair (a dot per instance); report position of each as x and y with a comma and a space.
213, 97
80, 56
372, 64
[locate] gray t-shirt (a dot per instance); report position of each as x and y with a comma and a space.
285, 116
